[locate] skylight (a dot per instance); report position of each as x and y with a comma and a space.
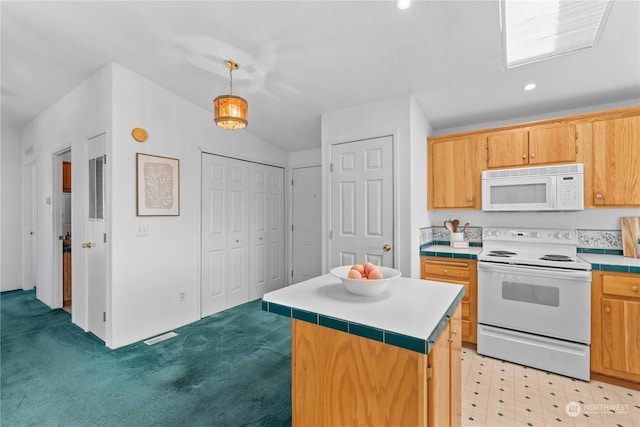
537, 30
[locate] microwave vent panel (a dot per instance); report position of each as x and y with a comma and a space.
539, 171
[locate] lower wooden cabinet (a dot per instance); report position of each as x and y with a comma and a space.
461, 272
615, 325
445, 376
340, 379
66, 278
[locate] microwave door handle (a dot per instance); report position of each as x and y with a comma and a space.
553, 184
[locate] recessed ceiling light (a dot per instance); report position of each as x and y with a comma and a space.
529, 86
403, 4
537, 30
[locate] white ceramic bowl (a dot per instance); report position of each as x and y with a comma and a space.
365, 287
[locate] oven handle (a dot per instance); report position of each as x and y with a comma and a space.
534, 270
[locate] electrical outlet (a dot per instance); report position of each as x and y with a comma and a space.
181, 297
142, 230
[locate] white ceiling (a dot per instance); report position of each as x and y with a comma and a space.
300, 59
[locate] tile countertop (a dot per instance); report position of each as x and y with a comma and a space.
410, 313
612, 262
446, 251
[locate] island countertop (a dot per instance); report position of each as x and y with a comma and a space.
410, 313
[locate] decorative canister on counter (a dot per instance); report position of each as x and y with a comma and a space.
457, 240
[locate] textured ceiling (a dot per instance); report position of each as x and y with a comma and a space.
300, 59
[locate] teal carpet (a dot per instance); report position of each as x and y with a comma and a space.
229, 369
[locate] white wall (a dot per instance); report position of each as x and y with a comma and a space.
591, 219
388, 117
82, 112
545, 116
420, 130
10, 209
148, 273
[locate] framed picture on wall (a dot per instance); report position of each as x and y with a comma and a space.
157, 185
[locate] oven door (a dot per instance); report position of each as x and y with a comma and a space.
543, 301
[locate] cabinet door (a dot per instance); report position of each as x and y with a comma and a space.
508, 149
616, 170
66, 177
621, 336
445, 383
552, 145
452, 174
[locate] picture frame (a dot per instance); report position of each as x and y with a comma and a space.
157, 185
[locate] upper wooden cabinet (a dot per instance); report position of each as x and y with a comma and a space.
533, 147
616, 162
66, 177
454, 177
606, 142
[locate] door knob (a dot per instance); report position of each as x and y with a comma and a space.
87, 245
386, 248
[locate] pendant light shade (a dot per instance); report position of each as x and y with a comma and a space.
230, 111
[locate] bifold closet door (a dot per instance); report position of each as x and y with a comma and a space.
267, 230
242, 232
225, 233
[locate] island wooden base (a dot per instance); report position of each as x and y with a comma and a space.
339, 379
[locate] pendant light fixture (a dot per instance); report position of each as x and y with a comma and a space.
230, 110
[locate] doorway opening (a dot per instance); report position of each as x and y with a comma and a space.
63, 221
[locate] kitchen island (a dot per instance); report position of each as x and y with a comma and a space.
388, 360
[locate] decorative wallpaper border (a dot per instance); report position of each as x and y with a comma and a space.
441, 236
589, 241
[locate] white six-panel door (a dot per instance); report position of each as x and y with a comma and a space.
238, 232
242, 232
267, 230
307, 223
362, 202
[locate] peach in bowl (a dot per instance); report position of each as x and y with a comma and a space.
368, 283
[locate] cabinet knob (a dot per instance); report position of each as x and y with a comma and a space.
533, 156
634, 288
524, 156
445, 271
607, 309
598, 196
470, 199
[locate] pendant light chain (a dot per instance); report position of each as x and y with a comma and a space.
230, 80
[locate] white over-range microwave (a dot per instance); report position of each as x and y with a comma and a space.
543, 188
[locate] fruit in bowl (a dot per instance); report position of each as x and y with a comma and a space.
365, 279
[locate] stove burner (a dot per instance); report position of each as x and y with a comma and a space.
501, 254
555, 257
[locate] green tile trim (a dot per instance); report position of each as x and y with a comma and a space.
443, 322
613, 252
305, 315
333, 323
634, 270
595, 251
407, 342
279, 309
380, 335
366, 331
609, 267
464, 256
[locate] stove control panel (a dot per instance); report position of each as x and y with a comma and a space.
530, 235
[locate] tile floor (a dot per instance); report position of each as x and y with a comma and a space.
498, 393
